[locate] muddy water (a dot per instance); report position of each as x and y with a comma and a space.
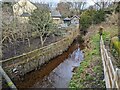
57, 73
62, 74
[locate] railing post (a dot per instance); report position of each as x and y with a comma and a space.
104, 60
8, 80
117, 78
112, 75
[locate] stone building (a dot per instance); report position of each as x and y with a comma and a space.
56, 16
23, 9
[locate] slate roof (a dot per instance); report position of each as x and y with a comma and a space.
67, 19
55, 13
40, 5
25, 14
75, 16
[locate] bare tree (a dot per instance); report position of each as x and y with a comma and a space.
70, 8
102, 4
64, 8
79, 6
41, 22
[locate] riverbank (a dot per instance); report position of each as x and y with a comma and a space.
40, 77
90, 72
30, 61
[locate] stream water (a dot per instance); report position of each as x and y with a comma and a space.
57, 73
62, 74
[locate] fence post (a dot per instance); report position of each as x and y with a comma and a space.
8, 80
104, 59
117, 78
112, 77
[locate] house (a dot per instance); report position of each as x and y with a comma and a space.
56, 16
75, 19
67, 21
23, 9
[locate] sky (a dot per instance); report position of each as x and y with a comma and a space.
56, 1
89, 2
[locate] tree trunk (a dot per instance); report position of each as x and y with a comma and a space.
42, 41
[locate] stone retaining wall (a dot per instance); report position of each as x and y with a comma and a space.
27, 62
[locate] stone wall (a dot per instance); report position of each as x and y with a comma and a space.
29, 61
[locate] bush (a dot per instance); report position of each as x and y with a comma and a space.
85, 20
89, 17
116, 44
99, 16
41, 22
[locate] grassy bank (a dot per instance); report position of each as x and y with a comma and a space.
90, 72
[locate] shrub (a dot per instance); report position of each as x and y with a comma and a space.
85, 20
89, 17
41, 22
99, 16
116, 44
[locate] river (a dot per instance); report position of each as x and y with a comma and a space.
57, 73
62, 74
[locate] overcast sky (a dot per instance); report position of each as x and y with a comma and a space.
56, 1
89, 2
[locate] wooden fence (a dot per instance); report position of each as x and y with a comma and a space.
22, 64
111, 72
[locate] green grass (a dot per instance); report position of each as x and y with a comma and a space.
111, 33
83, 78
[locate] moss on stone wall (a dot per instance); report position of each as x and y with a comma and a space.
31, 60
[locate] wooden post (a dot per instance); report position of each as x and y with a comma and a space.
8, 80
100, 30
103, 55
117, 75
112, 76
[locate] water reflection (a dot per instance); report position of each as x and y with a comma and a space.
61, 75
